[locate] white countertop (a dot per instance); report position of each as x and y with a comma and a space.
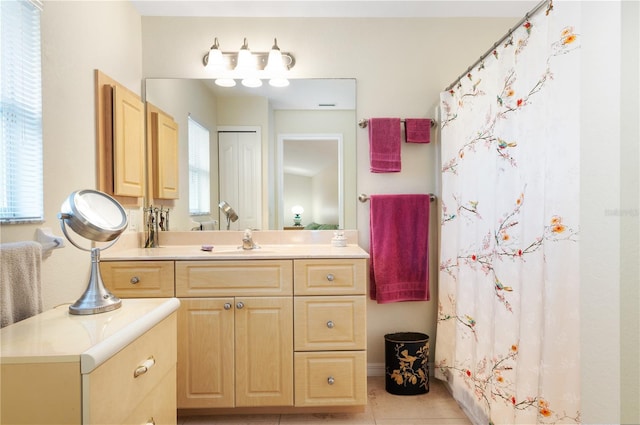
55, 336
234, 252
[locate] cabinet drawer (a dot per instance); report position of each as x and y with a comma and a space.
159, 406
331, 378
138, 279
330, 277
112, 391
234, 278
330, 323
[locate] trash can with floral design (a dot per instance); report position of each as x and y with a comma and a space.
406, 363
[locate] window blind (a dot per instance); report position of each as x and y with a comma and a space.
199, 175
21, 186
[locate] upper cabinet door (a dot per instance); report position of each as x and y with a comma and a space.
128, 143
165, 156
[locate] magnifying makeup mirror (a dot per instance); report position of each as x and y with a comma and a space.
98, 217
228, 212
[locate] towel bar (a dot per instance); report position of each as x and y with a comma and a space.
364, 198
364, 122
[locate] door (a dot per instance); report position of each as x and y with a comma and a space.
240, 177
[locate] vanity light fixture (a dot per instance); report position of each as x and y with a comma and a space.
297, 210
248, 66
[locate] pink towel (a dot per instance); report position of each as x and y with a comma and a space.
417, 130
384, 145
399, 257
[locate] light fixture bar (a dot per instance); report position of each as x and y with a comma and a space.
231, 59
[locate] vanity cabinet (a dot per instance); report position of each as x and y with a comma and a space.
117, 367
235, 352
236, 338
330, 332
283, 333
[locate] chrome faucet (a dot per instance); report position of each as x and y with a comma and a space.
247, 240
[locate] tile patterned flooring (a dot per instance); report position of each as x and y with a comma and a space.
437, 407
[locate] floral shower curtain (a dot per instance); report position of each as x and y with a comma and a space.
508, 319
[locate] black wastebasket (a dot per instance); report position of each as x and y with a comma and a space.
406, 363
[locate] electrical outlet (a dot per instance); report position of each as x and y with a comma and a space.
133, 220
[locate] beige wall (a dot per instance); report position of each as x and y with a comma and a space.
77, 37
81, 36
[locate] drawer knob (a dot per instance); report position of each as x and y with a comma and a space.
144, 367
151, 421
330, 324
134, 280
227, 306
330, 277
331, 380
240, 305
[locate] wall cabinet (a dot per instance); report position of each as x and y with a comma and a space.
121, 139
274, 332
162, 133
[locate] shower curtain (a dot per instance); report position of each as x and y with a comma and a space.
508, 312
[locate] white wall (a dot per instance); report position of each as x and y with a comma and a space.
77, 37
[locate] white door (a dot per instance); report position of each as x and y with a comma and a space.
240, 177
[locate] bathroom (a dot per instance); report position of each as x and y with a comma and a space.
428, 54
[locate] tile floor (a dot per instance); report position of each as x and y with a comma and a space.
437, 407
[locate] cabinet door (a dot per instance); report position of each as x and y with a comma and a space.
205, 353
165, 156
264, 351
128, 141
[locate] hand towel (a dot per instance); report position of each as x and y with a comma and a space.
417, 130
384, 145
20, 281
399, 257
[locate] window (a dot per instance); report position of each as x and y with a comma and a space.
199, 203
21, 187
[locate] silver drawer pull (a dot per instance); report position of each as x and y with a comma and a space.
151, 421
144, 367
240, 305
330, 324
330, 277
227, 306
134, 280
330, 380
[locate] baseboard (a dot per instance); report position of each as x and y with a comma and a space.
375, 369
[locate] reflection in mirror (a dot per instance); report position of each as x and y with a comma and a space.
310, 178
312, 115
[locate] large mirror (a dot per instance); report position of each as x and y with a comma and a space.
273, 153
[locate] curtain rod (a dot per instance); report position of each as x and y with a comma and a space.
497, 43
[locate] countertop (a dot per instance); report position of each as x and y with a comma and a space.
55, 336
234, 252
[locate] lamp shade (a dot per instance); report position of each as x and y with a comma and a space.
297, 209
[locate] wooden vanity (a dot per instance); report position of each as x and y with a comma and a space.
116, 367
278, 329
